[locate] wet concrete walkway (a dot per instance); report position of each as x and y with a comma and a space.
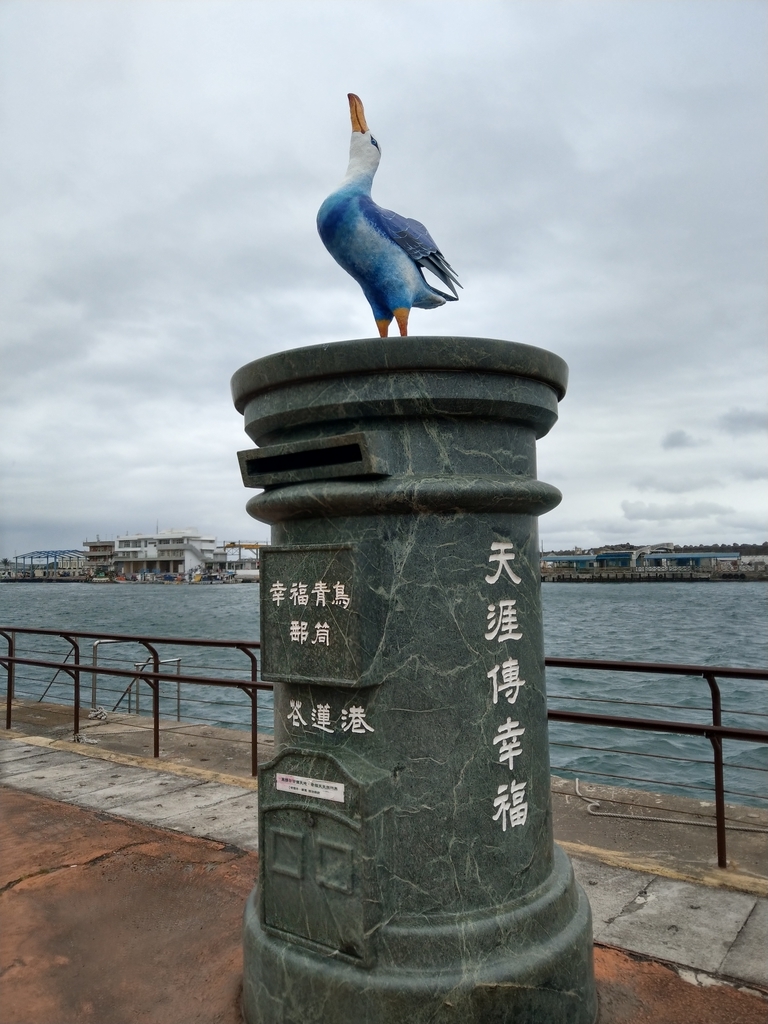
167, 852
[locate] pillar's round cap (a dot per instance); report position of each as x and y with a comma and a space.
416, 354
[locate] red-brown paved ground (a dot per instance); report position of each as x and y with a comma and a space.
115, 923
632, 991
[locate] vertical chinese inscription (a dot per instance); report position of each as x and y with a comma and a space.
309, 616
503, 626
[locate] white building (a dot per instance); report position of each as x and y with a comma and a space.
169, 551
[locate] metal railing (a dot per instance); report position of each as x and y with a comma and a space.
76, 668
135, 684
714, 731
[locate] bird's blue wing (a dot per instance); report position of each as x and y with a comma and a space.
414, 239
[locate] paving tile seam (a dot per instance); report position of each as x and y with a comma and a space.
752, 988
750, 884
631, 906
218, 840
58, 772
132, 806
133, 760
742, 930
216, 837
736, 937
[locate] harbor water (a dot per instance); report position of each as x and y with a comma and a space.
703, 623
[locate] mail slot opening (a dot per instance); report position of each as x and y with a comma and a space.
332, 456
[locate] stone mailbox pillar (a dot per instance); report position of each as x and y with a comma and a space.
407, 867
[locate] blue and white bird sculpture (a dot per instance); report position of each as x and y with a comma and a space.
384, 252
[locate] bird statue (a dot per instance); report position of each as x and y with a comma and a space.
384, 252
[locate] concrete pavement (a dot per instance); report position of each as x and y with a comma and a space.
706, 931
109, 921
181, 802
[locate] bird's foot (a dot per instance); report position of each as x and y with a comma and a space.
383, 326
401, 315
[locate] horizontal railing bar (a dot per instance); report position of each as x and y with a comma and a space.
659, 757
135, 674
750, 796
660, 725
583, 772
104, 689
638, 753
577, 717
651, 704
662, 668
180, 640
626, 703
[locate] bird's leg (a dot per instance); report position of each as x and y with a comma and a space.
401, 315
383, 326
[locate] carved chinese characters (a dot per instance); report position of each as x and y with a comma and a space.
511, 808
297, 594
309, 610
351, 719
309, 616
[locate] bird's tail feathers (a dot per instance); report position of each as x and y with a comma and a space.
434, 298
436, 264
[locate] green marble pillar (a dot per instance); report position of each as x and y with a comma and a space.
407, 866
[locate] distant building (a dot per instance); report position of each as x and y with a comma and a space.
653, 556
243, 557
580, 561
698, 559
98, 556
169, 551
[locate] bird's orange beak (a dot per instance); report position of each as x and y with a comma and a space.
357, 113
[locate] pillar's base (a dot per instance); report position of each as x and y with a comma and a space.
522, 980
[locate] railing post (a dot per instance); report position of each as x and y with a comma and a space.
156, 717
76, 679
254, 732
178, 691
10, 674
254, 695
717, 751
155, 684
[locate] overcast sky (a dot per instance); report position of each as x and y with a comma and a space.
595, 172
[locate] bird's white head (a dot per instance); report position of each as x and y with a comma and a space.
364, 151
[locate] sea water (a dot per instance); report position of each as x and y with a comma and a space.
714, 624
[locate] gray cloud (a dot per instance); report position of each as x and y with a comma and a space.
743, 421
679, 439
596, 177
679, 485
678, 510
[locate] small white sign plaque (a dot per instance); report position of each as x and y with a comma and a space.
310, 787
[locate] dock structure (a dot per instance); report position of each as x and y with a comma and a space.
63, 563
653, 563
